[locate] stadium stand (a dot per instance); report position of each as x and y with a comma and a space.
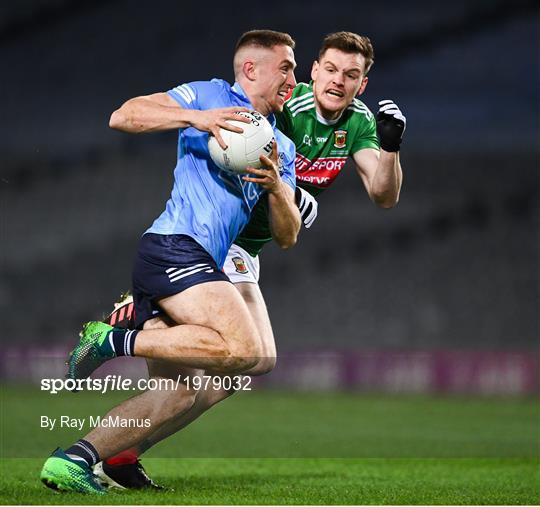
455, 265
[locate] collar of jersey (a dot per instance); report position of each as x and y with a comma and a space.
320, 118
239, 92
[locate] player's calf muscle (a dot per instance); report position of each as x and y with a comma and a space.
200, 347
184, 341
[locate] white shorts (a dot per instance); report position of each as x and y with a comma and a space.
240, 266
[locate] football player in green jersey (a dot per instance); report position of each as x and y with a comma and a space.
328, 123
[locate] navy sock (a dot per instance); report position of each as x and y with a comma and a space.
82, 450
123, 341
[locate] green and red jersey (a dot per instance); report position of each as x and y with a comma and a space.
322, 148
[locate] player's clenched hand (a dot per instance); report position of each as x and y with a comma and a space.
390, 125
212, 120
268, 175
307, 205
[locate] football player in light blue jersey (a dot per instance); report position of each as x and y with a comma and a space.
192, 317
339, 75
212, 218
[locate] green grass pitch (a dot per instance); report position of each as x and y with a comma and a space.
302, 448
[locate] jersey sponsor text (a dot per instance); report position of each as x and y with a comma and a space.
321, 172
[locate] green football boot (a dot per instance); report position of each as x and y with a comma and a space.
93, 349
62, 473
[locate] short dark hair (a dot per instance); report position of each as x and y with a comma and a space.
349, 42
264, 38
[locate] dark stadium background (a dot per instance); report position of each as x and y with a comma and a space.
441, 293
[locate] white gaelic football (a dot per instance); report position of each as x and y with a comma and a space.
243, 150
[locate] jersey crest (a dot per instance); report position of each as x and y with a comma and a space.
340, 138
240, 265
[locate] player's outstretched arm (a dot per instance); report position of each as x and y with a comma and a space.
381, 171
159, 112
283, 213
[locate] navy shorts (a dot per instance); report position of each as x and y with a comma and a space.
166, 265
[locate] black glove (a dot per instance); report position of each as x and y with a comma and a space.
390, 125
307, 205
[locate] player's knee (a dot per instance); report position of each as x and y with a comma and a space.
248, 354
264, 365
237, 363
242, 354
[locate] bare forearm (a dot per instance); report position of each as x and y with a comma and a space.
140, 115
284, 217
386, 183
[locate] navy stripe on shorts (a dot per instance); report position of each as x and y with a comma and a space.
167, 265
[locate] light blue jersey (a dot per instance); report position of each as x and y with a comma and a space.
208, 204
